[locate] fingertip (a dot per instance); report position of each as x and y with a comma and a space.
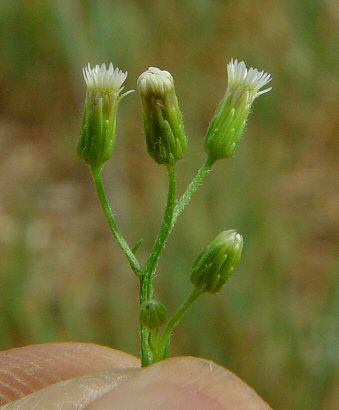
74, 393
28, 369
182, 383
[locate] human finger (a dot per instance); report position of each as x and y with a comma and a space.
183, 383
28, 369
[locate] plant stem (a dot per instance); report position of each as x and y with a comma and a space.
147, 356
192, 187
164, 340
165, 229
146, 289
133, 261
146, 276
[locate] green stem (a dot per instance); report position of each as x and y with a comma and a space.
192, 187
165, 337
165, 229
146, 287
96, 174
147, 357
146, 275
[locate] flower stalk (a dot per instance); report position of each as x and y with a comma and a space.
98, 182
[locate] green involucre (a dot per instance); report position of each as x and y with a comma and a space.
227, 126
97, 136
164, 129
216, 263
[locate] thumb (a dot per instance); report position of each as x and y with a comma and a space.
182, 383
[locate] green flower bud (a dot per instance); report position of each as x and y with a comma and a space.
215, 265
228, 123
97, 136
164, 129
152, 314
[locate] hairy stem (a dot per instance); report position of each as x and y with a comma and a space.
165, 337
165, 230
146, 287
133, 261
192, 188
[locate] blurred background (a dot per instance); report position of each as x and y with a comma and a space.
63, 278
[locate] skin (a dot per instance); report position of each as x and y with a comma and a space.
68, 376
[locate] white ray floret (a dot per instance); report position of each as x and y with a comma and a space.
102, 78
251, 79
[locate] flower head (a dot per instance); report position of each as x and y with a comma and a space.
155, 82
216, 263
164, 129
229, 121
97, 137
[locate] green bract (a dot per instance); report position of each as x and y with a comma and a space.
164, 129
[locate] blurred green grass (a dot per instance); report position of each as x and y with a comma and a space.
61, 275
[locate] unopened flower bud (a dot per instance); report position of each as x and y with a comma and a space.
228, 123
152, 314
97, 136
215, 265
164, 129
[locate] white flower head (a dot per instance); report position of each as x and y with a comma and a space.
100, 78
155, 82
251, 80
